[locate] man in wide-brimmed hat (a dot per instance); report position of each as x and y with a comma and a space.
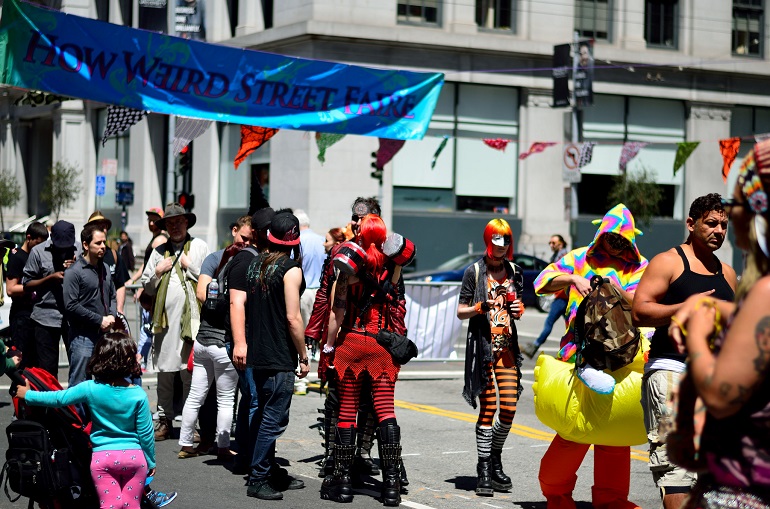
171, 275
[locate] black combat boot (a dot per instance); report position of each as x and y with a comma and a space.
484, 484
338, 487
390, 458
500, 481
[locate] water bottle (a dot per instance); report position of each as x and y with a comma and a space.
212, 294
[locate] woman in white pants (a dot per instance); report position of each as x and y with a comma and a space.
210, 360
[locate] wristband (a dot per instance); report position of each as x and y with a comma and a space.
328, 349
481, 307
304, 361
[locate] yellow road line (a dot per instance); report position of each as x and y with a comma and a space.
517, 429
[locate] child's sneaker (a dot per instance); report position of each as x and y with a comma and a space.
159, 498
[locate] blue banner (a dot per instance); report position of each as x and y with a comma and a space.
69, 55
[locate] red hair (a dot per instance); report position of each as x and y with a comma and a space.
498, 227
373, 234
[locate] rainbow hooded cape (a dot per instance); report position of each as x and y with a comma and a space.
592, 260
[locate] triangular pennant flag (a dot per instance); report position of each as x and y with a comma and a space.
388, 149
683, 151
120, 118
535, 148
252, 137
497, 143
761, 137
729, 149
186, 130
586, 153
630, 150
324, 141
438, 151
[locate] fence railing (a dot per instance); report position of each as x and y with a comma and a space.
431, 319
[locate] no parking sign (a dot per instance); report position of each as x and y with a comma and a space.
570, 164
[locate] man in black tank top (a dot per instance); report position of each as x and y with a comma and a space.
671, 277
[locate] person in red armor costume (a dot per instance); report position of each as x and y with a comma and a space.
362, 305
315, 333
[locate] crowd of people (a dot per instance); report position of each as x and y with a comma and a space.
248, 319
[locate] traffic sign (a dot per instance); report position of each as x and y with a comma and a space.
124, 193
101, 185
570, 164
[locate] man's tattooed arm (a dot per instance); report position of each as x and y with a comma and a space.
341, 292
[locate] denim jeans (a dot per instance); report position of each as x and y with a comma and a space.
274, 392
247, 407
81, 349
558, 307
145, 336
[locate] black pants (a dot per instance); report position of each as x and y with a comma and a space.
43, 352
22, 330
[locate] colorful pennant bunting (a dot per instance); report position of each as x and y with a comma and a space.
120, 118
388, 149
729, 149
252, 137
186, 130
630, 150
496, 143
438, 151
536, 148
683, 151
324, 141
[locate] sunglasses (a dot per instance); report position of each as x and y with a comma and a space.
356, 218
729, 204
616, 241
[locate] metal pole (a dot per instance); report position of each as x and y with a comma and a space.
576, 120
171, 183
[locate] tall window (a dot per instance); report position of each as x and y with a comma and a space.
495, 14
419, 11
748, 20
593, 18
661, 18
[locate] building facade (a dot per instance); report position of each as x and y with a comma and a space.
664, 71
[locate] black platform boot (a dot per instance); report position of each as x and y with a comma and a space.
390, 457
404, 478
484, 484
500, 481
338, 487
363, 464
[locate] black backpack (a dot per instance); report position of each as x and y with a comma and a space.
604, 333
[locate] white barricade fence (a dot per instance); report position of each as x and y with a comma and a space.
431, 319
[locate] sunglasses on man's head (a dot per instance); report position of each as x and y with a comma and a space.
729, 204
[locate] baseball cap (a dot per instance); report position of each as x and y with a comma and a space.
154, 210
284, 229
261, 218
63, 235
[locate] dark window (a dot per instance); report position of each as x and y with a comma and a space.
748, 21
267, 12
102, 10
495, 14
593, 191
593, 18
418, 11
483, 204
660, 23
232, 12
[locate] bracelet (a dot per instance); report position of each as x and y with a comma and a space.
328, 348
304, 361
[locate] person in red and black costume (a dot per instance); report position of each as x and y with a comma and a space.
315, 333
362, 305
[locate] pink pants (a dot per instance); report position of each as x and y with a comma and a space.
119, 478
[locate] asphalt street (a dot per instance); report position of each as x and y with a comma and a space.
438, 441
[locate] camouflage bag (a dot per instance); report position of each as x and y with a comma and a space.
604, 333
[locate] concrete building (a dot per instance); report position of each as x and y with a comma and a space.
665, 71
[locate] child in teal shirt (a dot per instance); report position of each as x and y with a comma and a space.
121, 434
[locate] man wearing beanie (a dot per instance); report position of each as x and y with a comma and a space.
43, 277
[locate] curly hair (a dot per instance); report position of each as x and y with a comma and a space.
702, 205
114, 357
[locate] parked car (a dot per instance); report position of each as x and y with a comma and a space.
454, 268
